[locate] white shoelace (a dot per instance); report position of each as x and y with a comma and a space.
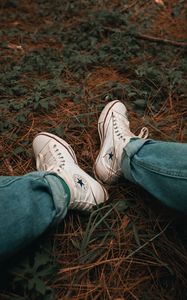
144, 132
57, 164
119, 130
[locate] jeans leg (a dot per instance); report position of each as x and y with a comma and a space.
160, 168
28, 205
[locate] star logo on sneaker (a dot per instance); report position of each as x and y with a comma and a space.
80, 182
110, 156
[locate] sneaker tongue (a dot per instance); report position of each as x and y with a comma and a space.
49, 158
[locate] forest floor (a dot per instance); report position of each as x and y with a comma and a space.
60, 63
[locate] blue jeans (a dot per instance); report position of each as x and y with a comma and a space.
28, 205
160, 168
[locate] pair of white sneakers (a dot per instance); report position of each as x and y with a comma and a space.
55, 155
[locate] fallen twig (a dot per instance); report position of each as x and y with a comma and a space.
160, 40
150, 38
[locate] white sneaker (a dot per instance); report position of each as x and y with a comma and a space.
114, 133
54, 154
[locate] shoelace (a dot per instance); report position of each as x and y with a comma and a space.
119, 131
144, 132
41, 165
58, 163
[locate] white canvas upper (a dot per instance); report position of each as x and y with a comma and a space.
114, 133
54, 154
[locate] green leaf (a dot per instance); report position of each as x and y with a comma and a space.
40, 286
31, 284
59, 130
37, 97
45, 105
122, 205
140, 103
18, 150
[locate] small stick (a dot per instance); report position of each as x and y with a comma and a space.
150, 38
160, 40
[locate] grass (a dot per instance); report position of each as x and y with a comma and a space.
61, 62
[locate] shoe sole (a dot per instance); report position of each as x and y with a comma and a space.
62, 142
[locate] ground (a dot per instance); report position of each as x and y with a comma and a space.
60, 63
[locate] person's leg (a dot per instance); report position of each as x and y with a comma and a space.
28, 205
160, 168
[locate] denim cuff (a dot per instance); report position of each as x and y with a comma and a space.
134, 145
60, 197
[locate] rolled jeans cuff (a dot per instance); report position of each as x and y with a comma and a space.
59, 195
134, 145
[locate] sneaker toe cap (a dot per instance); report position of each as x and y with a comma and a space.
39, 142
